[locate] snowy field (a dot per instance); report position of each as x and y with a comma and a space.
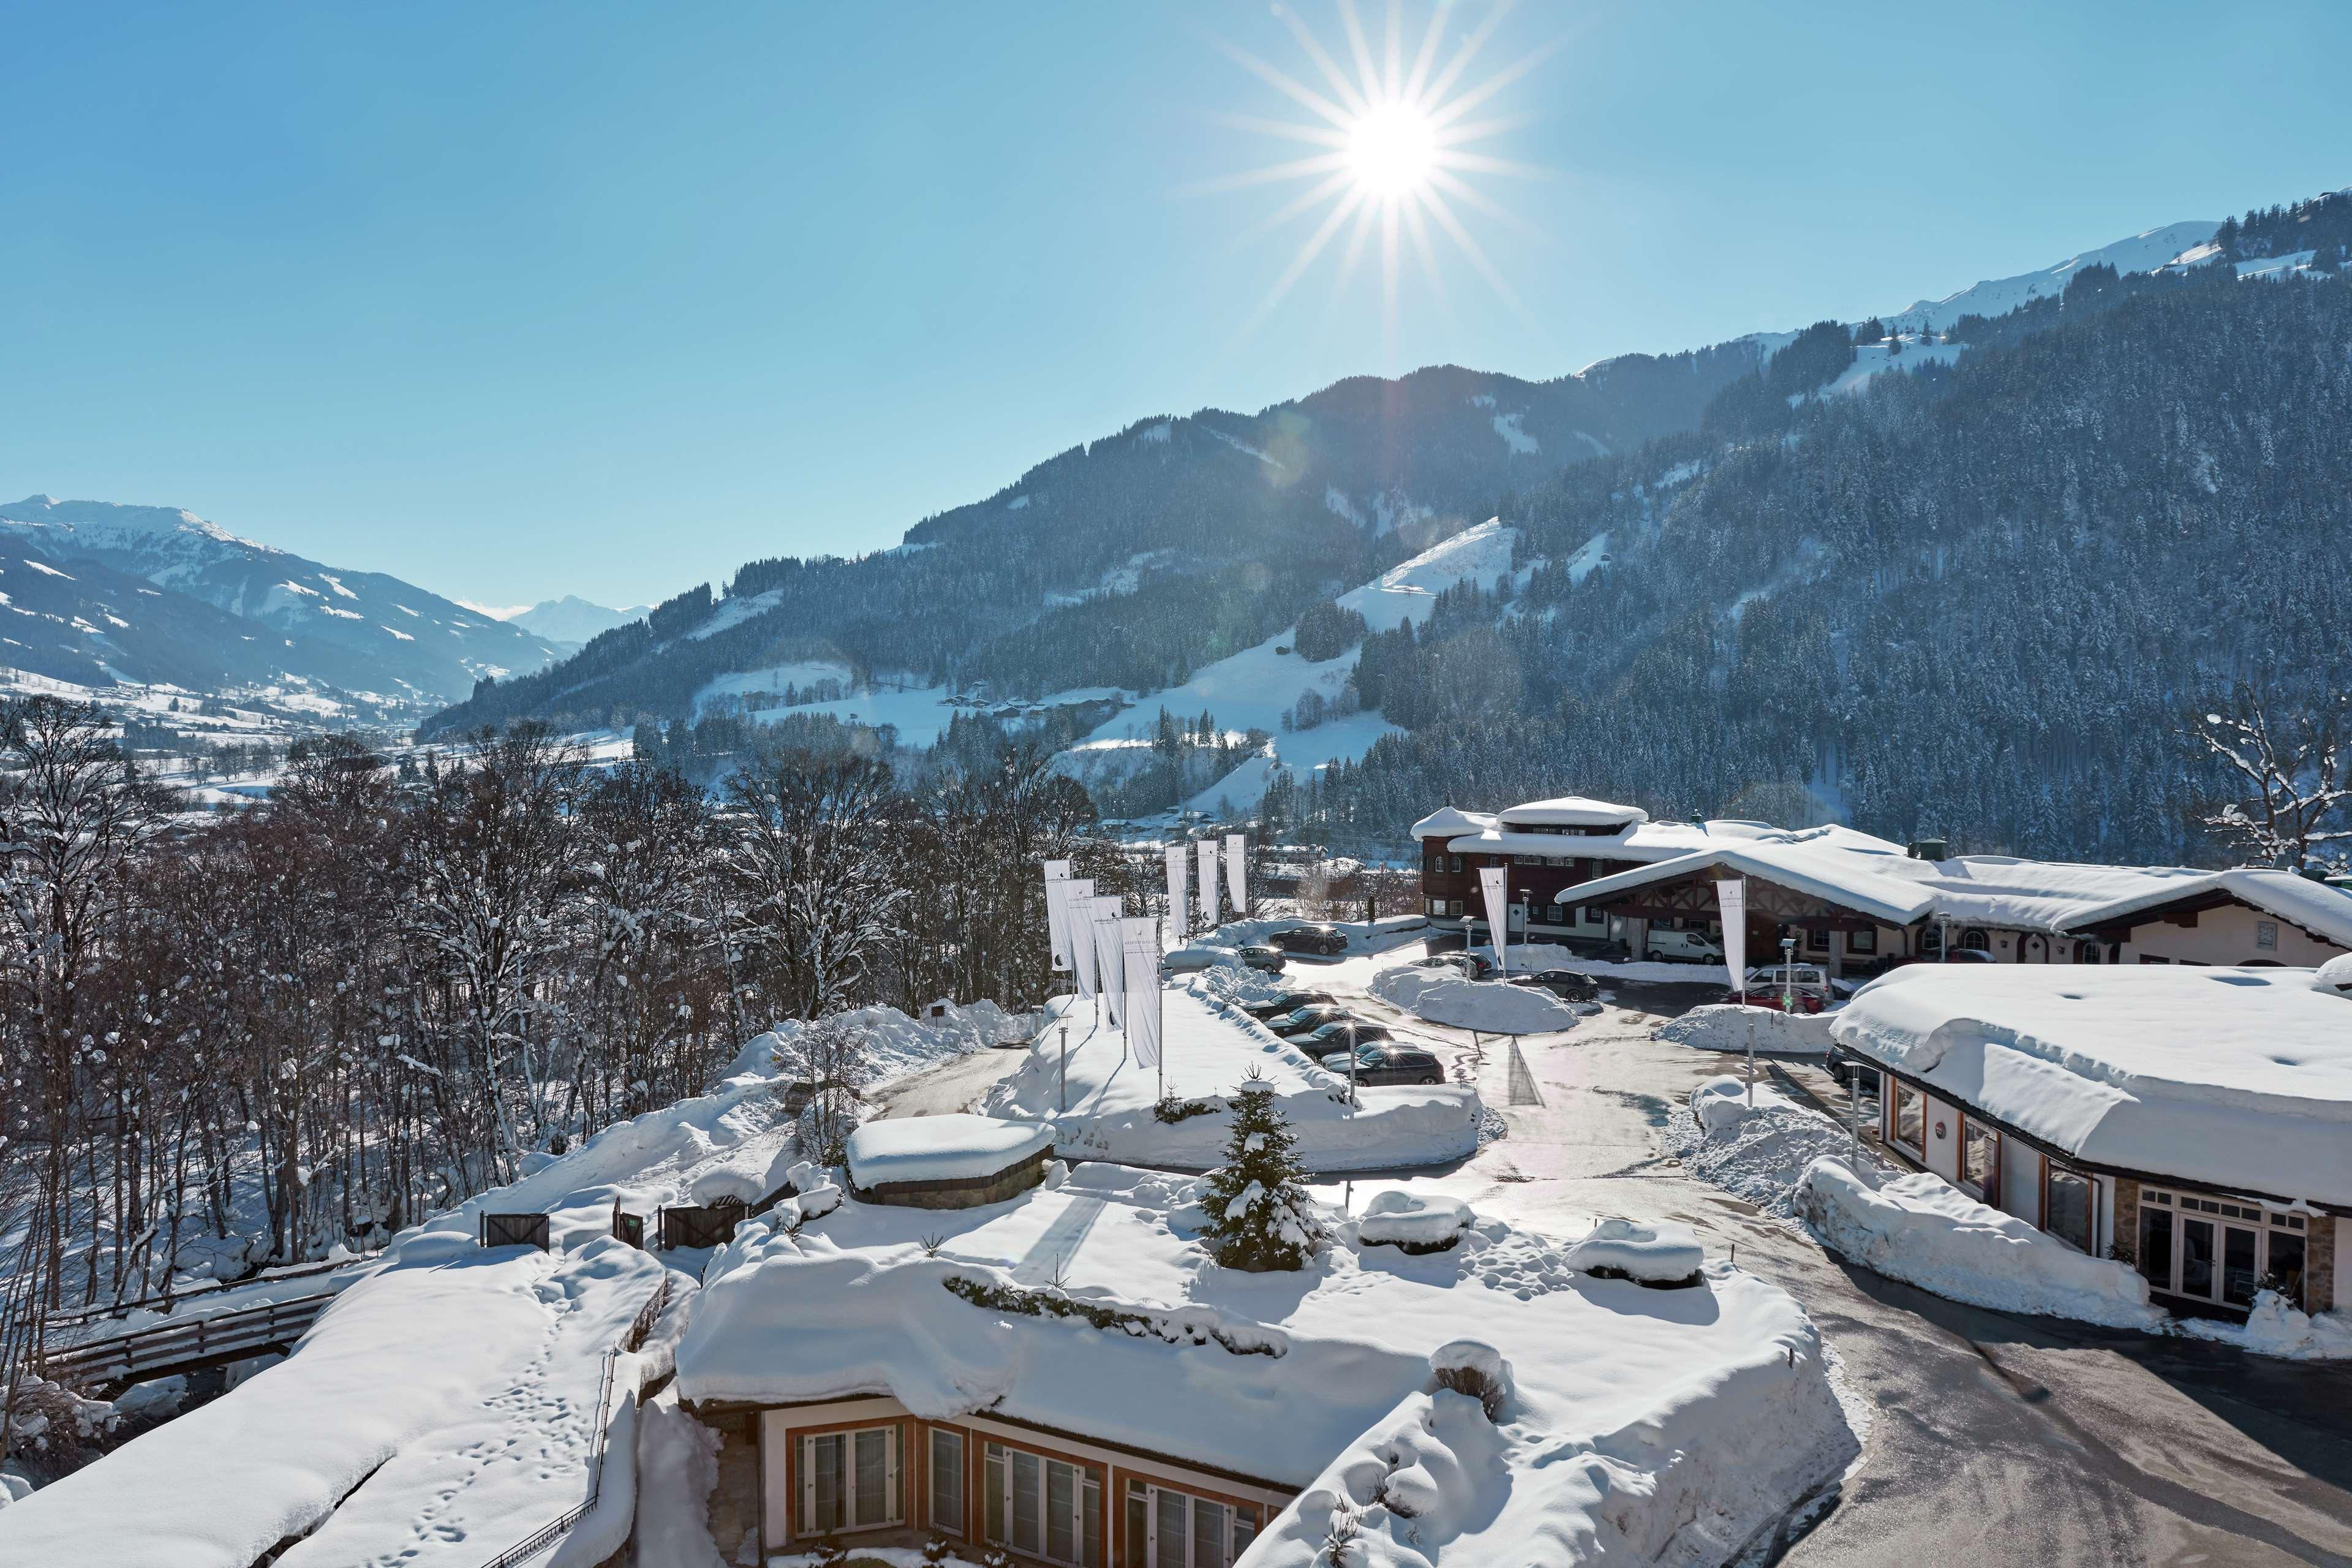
1209, 1048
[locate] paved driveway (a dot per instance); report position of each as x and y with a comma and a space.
1995, 1440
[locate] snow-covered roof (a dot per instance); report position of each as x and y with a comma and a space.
1275, 1376
1636, 841
1834, 863
950, 1148
1446, 821
2325, 912
2238, 1079
1573, 811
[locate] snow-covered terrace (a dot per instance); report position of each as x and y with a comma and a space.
1710, 1403
2235, 1079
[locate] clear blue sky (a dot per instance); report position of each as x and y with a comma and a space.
519, 299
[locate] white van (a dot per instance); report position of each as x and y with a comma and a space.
1687, 946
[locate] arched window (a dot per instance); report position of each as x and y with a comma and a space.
2088, 952
1975, 937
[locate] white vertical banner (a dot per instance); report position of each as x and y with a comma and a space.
1058, 917
1179, 874
1108, 959
1140, 940
1236, 882
1498, 913
1078, 896
1208, 858
1731, 895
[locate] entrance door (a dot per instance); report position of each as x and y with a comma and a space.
2221, 1251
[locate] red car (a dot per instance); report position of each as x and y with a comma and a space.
1772, 988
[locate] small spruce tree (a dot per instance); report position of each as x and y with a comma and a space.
1260, 1216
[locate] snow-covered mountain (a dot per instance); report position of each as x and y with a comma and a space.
274, 614
2141, 252
572, 620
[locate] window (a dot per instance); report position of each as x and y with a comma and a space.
1170, 1529
1975, 937
2086, 952
1908, 1127
1979, 1159
2156, 1245
849, 1480
2066, 1205
1817, 940
947, 1481
1455, 865
2266, 935
1863, 941
1043, 1508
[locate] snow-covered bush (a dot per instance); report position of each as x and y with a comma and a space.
1657, 1253
1466, 1366
1412, 1221
1260, 1216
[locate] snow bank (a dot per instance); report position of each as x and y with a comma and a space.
1491, 1007
2274, 1327
1210, 1050
950, 1148
899, 1045
1756, 1155
1655, 1252
1414, 1221
1923, 1229
1727, 1027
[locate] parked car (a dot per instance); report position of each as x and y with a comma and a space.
1686, 946
1287, 1002
1770, 987
1320, 1043
1469, 963
1192, 960
1386, 1063
1969, 955
1565, 983
1313, 1015
1257, 955
1324, 940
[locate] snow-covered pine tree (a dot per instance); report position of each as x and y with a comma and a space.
1260, 1216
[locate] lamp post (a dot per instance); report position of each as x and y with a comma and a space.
1787, 974
1066, 1069
1347, 1188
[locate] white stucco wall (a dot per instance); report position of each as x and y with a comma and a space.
2227, 935
2021, 1181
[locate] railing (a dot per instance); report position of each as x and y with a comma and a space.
74, 1317
157, 1351
555, 1530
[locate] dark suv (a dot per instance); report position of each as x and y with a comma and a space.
1565, 983
1380, 1064
1324, 940
1314, 1016
1288, 1002
1337, 1036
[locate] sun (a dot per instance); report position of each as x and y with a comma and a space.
1395, 151
1391, 150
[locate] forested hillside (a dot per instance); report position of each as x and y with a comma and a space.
1980, 601
1134, 560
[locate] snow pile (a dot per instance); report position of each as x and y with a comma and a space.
1652, 1252
1756, 1155
1415, 1222
1923, 1229
2278, 1329
1491, 1007
950, 1148
1729, 1026
1210, 1050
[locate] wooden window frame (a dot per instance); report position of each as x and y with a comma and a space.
802, 1478
976, 1502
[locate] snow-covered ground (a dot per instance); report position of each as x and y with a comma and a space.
1491, 1007
1209, 1048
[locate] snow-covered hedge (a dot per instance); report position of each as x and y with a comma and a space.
1727, 1027
1649, 1252
1923, 1229
1415, 1222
